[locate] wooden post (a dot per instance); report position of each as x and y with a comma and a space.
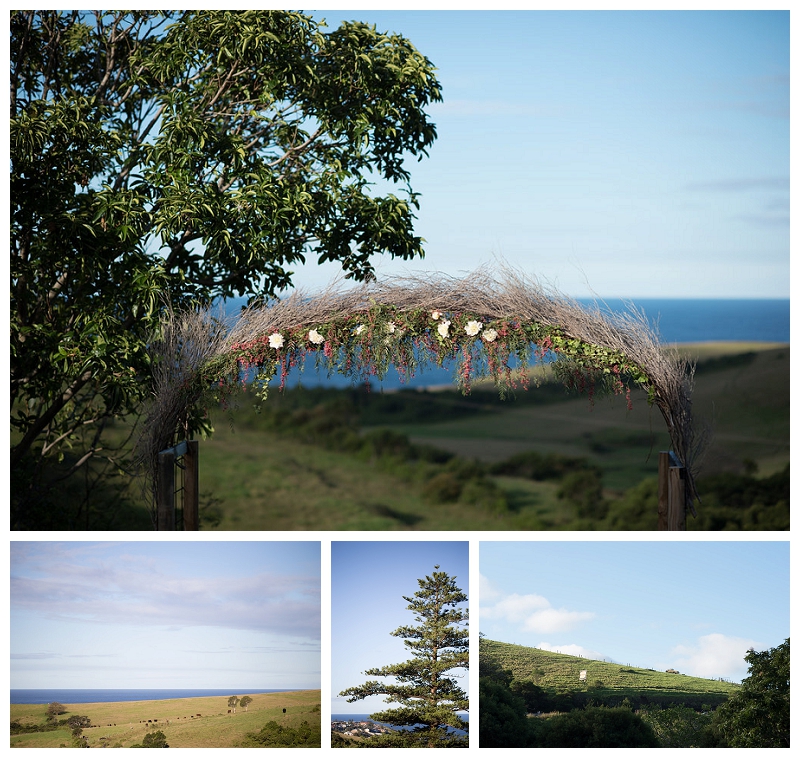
671, 493
165, 493
663, 490
191, 487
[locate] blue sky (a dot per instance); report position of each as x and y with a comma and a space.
165, 615
620, 154
693, 606
368, 583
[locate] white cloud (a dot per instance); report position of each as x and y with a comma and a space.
488, 591
714, 655
551, 620
535, 614
572, 650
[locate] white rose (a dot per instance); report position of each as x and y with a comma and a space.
436, 315
390, 327
315, 337
443, 328
360, 328
276, 340
489, 335
473, 327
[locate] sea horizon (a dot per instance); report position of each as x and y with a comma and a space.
365, 717
70, 696
676, 321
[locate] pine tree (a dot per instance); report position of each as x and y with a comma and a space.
428, 699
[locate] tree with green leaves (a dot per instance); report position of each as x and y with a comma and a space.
165, 159
55, 709
429, 700
758, 714
233, 701
154, 739
245, 701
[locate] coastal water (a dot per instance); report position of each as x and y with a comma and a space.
675, 322
365, 717
118, 696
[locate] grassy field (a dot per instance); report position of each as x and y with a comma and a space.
256, 478
256, 474
124, 724
555, 672
741, 392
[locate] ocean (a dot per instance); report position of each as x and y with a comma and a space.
675, 321
365, 717
31, 697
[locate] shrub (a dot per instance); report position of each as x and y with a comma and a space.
597, 727
502, 718
444, 487
274, 735
533, 465
584, 491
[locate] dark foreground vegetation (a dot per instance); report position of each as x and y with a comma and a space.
524, 707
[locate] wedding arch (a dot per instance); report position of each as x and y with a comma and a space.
489, 325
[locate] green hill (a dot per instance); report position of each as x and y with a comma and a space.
346, 459
606, 683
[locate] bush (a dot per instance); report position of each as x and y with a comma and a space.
275, 735
503, 722
533, 465
597, 727
444, 487
584, 491
486, 494
681, 726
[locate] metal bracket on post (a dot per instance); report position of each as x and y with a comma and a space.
671, 493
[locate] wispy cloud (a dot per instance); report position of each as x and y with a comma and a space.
487, 590
741, 184
534, 613
765, 219
142, 593
714, 655
577, 650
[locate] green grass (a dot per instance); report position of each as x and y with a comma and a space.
555, 672
258, 472
256, 478
120, 724
746, 402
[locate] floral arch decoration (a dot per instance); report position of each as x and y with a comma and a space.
480, 322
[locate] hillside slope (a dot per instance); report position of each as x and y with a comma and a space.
605, 682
